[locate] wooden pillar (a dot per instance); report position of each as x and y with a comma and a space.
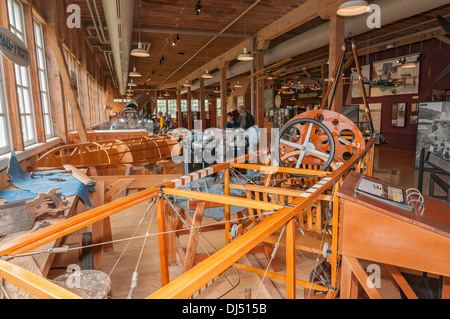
337, 37
202, 102
11, 92
179, 113
227, 207
162, 238
34, 74
223, 94
84, 82
53, 43
213, 112
290, 260
259, 105
189, 108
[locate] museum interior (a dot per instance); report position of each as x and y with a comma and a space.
220, 150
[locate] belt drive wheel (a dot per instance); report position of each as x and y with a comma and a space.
321, 138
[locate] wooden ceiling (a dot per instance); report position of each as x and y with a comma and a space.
161, 21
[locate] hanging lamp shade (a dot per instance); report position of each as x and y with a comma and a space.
245, 56
135, 73
132, 84
187, 84
238, 85
207, 75
140, 52
353, 8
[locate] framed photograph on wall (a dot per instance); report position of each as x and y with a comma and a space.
433, 132
398, 115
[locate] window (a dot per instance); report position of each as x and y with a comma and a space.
162, 107
183, 105
4, 129
23, 83
172, 106
195, 106
43, 80
219, 107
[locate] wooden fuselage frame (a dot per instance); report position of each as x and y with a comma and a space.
201, 275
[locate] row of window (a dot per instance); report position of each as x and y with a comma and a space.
171, 106
23, 85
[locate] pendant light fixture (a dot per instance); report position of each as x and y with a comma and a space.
353, 8
207, 75
132, 84
245, 56
238, 85
140, 52
135, 73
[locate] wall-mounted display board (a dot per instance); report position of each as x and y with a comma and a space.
433, 131
398, 115
391, 78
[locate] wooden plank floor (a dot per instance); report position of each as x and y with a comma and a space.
149, 280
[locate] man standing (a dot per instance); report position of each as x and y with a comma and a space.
245, 119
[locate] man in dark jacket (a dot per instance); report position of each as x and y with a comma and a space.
245, 119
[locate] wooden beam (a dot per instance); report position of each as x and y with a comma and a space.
202, 103
259, 109
53, 42
34, 284
223, 199
224, 95
337, 30
11, 92
290, 260
179, 112
162, 239
362, 276
34, 74
280, 169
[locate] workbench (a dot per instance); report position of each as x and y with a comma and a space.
377, 231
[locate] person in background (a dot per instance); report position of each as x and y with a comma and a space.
232, 124
162, 123
245, 119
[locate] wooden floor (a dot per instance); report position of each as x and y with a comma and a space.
390, 165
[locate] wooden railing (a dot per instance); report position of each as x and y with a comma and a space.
301, 208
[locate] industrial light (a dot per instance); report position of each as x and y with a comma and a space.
217, 90
353, 8
140, 52
132, 84
207, 75
187, 84
238, 85
285, 86
135, 74
167, 94
245, 56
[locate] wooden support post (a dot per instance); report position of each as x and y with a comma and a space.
224, 95
202, 102
259, 109
189, 108
53, 43
337, 37
227, 207
163, 256
191, 249
290, 260
11, 92
349, 284
98, 227
179, 113
34, 74
334, 244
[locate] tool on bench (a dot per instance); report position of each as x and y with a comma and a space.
21, 215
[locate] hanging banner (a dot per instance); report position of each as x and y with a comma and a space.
13, 48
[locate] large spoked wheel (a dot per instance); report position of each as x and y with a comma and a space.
305, 141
